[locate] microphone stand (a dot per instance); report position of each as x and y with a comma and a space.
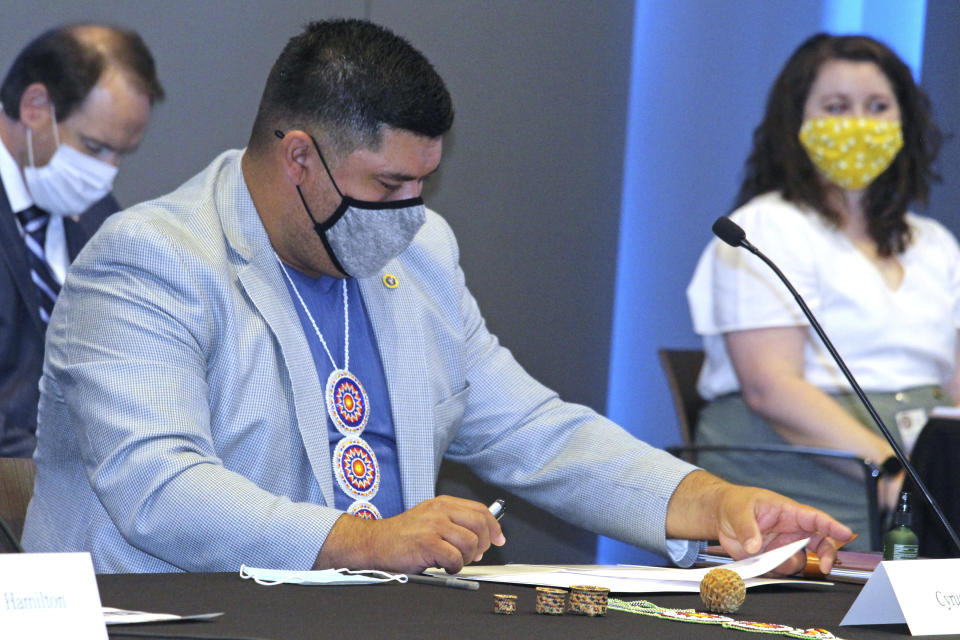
743, 242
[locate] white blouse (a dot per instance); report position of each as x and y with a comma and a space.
890, 339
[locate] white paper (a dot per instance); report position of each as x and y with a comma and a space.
49, 595
636, 579
876, 603
923, 593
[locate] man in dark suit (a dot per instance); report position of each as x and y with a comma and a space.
74, 101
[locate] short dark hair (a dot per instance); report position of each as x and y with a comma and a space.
778, 161
346, 79
69, 64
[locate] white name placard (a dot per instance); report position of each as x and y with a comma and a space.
925, 594
49, 595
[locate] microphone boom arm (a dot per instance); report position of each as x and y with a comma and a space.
743, 242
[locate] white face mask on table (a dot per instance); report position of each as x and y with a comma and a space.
272, 577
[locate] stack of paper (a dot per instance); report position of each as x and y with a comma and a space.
635, 579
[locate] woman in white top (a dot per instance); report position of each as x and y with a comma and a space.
846, 144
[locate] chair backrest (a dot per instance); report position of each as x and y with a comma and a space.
682, 367
16, 487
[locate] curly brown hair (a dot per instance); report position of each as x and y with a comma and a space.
778, 161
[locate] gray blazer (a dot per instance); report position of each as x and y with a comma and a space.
182, 424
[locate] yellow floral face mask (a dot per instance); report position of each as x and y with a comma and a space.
851, 152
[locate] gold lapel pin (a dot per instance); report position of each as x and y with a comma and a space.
390, 281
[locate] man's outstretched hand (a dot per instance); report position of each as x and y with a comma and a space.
748, 520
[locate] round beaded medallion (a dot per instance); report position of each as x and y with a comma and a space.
357, 470
347, 402
364, 510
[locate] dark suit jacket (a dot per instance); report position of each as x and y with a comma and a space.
21, 330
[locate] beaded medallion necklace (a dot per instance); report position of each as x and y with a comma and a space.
354, 462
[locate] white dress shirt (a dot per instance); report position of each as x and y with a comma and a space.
55, 245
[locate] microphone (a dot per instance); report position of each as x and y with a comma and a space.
731, 233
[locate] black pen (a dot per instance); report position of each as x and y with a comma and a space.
497, 508
443, 581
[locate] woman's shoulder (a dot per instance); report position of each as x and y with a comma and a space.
928, 233
775, 219
926, 224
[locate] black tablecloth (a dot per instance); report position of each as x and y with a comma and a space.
289, 612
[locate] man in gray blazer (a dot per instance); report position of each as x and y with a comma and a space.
267, 365
74, 101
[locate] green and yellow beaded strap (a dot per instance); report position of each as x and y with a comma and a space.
647, 608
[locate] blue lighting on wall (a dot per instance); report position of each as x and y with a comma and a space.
843, 16
633, 264
898, 23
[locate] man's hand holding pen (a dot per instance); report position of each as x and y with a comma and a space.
443, 532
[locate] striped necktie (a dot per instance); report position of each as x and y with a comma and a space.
34, 222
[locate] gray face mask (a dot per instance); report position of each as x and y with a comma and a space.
361, 237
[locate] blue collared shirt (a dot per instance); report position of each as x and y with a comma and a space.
324, 297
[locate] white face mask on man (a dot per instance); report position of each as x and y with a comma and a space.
70, 182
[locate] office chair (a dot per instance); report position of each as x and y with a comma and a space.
16, 487
682, 367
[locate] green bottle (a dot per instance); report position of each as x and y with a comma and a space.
901, 542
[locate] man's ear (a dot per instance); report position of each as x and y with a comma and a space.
299, 157
35, 111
